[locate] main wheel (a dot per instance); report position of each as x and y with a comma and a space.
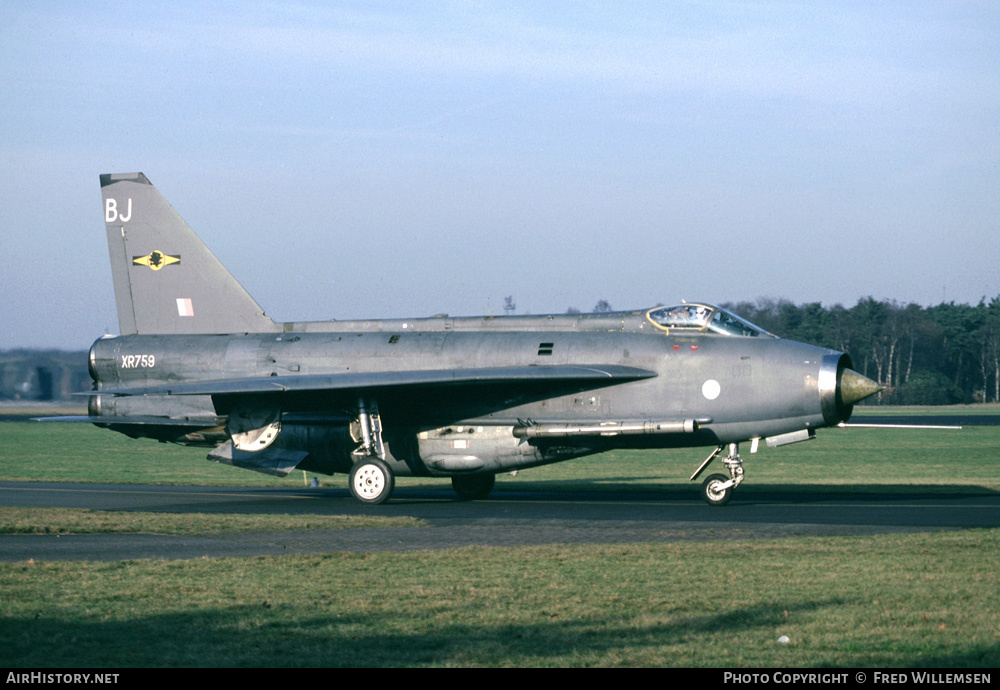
713, 494
472, 487
371, 481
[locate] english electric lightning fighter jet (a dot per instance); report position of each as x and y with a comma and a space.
198, 363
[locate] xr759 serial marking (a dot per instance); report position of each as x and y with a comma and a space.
136, 361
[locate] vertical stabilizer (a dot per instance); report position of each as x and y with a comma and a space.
166, 280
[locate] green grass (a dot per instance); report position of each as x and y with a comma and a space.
863, 459
890, 601
53, 451
861, 411
28, 410
78, 521
926, 599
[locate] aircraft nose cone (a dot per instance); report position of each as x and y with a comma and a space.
854, 387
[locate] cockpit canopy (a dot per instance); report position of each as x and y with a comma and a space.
703, 317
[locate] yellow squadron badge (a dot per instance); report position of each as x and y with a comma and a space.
156, 260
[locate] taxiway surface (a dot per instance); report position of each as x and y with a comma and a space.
507, 518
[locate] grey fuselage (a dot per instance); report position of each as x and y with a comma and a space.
708, 389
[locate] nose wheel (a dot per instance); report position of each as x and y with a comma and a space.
718, 488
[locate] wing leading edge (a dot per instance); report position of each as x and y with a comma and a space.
588, 376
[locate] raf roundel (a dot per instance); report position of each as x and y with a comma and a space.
711, 389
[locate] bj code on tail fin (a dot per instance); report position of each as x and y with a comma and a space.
166, 280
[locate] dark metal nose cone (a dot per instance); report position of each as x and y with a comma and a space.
854, 387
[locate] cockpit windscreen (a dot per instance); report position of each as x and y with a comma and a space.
703, 317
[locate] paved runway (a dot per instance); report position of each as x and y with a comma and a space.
507, 518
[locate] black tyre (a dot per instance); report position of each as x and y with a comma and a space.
472, 487
714, 495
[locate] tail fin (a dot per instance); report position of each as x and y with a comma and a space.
166, 279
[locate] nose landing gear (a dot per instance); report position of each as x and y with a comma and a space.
718, 488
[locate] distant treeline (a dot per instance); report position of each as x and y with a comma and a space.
42, 374
945, 354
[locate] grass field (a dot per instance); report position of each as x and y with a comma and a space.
865, 459
896, 601
886, 600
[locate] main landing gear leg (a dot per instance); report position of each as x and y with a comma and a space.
718, 488
372, 480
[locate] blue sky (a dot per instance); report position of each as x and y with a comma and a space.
367, 159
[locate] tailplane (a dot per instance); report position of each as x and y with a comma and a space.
166, 279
